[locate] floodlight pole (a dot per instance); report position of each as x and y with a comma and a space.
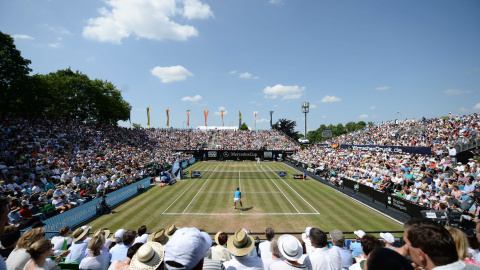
305, 110
271, 114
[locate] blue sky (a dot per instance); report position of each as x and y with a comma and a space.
351, 60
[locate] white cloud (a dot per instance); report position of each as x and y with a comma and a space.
254, 102
382, 88
246, 75
221, 109
463, 109
456, 92
313, 106
150, 19
91, 59
54, 45
196, 98
286, 92
58, 30
171, 74
363, 116
373, 108
276, 106
18, 36
329, 99
477, 106
324, 116
275, 2
232, 72
263, 120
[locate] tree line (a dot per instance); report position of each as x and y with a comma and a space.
337, 130
61, 95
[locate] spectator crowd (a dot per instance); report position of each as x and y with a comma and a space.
425, 245
437, 181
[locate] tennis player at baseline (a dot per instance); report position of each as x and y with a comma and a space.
237, 198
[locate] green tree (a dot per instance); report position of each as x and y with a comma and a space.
371, 124
136, 126
243, 126
351, 126
361, 124
14, 72
287, 127
77, 98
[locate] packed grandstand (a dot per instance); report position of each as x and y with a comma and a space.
49, 167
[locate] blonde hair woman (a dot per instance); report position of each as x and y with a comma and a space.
19, 256
98, 260
461, 243
39, 252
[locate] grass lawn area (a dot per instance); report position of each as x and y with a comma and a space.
285, 204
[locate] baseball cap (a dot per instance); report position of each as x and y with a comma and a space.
388, 237
359, 233
187, 246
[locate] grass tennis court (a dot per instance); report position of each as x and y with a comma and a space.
285, 204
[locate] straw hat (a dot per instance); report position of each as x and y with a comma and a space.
148, 257
79, 234
105, 232
240, 244
171, 230
159, 237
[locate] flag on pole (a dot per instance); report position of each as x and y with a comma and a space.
221, 114
188, 118
240, 115
255, 114
206, 115
168, 116
148, 115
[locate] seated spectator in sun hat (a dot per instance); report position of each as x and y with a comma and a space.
240, 245
186, 249
79, 246
338, 241
171, 230
356, 247
105, 233
388, 240
291, 250
220, 251
148, 257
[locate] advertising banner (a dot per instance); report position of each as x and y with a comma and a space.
81, 213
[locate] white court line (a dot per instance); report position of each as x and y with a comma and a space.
361, 203
193, 182
239, 184
294, 190
238, 214
198, 192
280, 190
229, 192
